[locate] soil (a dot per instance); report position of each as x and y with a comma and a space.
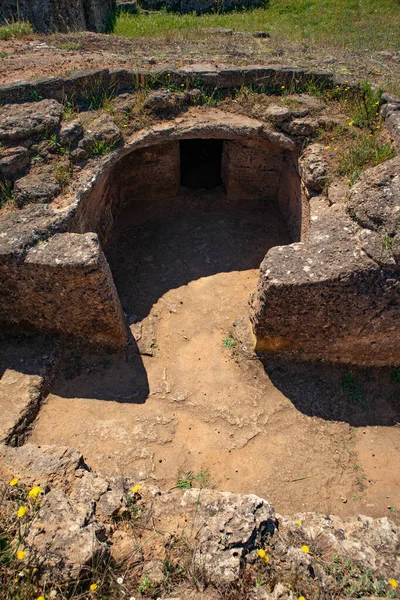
41, 56
189, 396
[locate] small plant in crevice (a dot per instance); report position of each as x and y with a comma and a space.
185, 481
228, 342
98, 96
35, 96
387, 242
70, 110
132, 501
6, 194
101, 147
63, 173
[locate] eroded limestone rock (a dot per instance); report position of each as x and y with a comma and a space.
224, 529
13, 162
314, 167
23, 121
229, 525
38, 186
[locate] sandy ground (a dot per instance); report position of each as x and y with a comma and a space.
292, 433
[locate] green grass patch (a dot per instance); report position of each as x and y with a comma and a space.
367, 150
15, 30
70, 46
101, 147
353, 24
228, 342
6, 194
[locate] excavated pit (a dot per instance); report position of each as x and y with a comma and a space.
191, 209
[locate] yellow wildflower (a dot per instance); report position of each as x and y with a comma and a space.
282, 87
22, 511
261, 553
393, 583
335, 149
21, 554
305, 549
266, 559
40, 598
34, 492
93, 587
351, 123
301, 598
298, 522
136, 489
327, 147
13, 481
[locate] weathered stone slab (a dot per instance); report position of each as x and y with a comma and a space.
47, 465
229, 525
26, 369
23, 121
374, 201
13, 161
23, 229
314, 167
66, 286
38, 186
326, 298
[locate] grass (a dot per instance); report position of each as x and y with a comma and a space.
354, 24
26, 575
17, 30
367, 150
101, 147
70, 46
63, 173
228, 342
6, 195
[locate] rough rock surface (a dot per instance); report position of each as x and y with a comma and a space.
277, 114
13, 162
230, 525
223, 529
303, 127
393, 125
60, 15
326, 298
38, 186
26, 369
374, 203
314, 167
22, 121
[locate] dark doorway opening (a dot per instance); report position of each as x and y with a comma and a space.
201, 163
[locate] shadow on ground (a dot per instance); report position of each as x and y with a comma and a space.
358, 396
167, 243
118, 376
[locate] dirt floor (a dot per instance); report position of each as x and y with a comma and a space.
320, 437
41, 56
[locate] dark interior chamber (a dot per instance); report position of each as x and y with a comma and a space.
201, 163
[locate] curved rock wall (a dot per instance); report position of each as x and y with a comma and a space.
48, 16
